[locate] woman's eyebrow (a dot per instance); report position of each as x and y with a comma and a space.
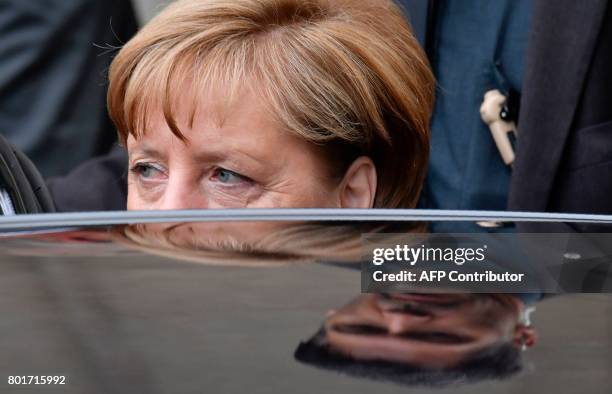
207, 154
252, 157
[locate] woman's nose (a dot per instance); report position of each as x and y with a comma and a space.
182, 194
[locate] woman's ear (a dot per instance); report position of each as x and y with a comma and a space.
358, 187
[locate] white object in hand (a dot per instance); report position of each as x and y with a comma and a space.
490, 111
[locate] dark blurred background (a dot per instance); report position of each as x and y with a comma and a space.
146, 9
54, 57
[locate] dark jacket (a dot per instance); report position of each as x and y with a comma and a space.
99, 184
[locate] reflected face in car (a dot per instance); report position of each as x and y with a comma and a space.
238, 157
429, 330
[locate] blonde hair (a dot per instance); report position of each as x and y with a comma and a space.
347, 75
306, 242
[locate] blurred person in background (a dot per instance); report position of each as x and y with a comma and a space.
54, 56
552, 61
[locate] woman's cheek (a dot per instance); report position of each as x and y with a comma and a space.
143, 196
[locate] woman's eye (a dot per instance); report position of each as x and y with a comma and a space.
145, 170
229, 177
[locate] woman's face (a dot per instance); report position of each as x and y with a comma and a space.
238, 158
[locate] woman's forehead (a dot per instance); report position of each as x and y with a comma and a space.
217, 110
